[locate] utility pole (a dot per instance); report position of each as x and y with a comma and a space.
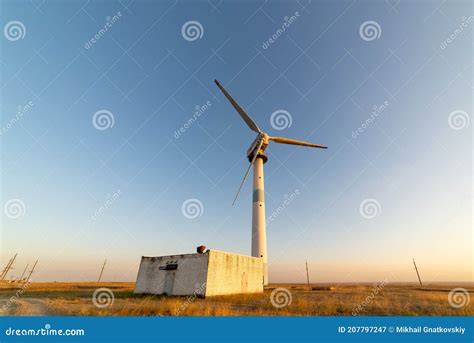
418, 274
102, 271
8, 267
307, 275
5, 269
31, 271
23, 274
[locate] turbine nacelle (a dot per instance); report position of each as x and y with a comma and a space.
256, 148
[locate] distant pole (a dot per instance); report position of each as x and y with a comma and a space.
31, 271
418, 274
5, 269
102, 271
307, 275
8, 267
23, 274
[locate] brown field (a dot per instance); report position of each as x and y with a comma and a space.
75, 299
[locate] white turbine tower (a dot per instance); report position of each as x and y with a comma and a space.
257, 157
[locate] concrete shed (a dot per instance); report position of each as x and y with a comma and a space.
211, 273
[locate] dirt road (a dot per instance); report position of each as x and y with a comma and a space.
25, 307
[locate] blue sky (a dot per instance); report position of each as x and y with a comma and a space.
86, 194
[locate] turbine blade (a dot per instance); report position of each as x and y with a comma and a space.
284, 140
247, 172
251, 124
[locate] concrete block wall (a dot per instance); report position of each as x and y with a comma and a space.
209, 274
188, 278
233, 274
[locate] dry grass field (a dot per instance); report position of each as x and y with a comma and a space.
75, 299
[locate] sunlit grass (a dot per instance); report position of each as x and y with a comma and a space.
322, 300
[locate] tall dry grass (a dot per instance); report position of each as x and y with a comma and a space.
399, 300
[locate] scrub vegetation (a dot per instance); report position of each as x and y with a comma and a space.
75, 299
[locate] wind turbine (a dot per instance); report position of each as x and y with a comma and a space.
257, 157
